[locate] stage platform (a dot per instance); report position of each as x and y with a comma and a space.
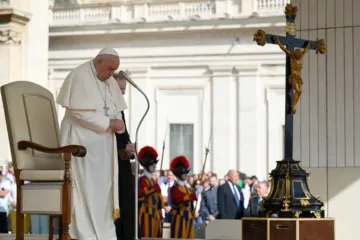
215, 230
27, 237
45, 237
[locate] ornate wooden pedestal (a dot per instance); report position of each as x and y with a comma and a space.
288, 228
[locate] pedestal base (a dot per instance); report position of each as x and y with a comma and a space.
288, 228
290, 195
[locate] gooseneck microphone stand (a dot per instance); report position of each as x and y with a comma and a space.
136, 152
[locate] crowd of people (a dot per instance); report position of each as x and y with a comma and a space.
7, 196
35, 224
209, 189
211, 192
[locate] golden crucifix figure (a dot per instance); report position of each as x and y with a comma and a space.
296, 62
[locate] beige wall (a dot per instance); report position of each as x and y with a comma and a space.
327, 125
338, 188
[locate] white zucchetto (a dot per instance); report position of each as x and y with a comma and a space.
108, 51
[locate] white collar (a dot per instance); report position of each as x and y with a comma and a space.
148, 174
231, 184
170, 183
93, 69
181, 183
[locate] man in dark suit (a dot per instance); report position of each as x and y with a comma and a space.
230, 199
208, 204
125, 225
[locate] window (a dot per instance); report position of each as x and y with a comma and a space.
182, 141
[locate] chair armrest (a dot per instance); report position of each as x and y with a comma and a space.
75, 150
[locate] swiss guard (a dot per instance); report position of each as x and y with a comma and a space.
150, 198
182, 201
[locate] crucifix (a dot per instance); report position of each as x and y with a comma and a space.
294, 62
290, 196
106, 110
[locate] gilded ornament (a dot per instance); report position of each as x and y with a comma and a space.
290, 11
116, 213
287, 185
316, 214
297, 214
286, 204
259, 37
304, 202
320, 46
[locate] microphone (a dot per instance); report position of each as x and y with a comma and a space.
136, 150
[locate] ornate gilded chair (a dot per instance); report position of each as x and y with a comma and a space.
33, 132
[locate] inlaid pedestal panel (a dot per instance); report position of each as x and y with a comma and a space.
288, 229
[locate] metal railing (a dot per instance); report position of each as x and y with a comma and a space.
164, 10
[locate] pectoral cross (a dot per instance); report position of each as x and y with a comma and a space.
106, 110
293, 68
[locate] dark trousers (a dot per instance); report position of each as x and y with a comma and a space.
168, 217
125, 225
4, 224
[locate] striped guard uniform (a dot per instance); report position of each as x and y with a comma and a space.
150, 204
182, 222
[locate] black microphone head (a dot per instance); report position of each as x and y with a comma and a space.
123, 74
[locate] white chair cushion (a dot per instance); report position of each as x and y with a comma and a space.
42, 175
42, 198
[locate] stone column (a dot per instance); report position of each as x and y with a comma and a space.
12, 25
224, 142
275, 96
249, 122
36, 40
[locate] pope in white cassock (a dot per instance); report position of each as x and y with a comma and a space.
93, 103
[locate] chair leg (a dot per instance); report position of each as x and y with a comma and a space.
19, 225
51, 227
19, 207
66, 211
65, 235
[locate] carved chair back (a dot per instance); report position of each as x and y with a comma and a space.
30, 115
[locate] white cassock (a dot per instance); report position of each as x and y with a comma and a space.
94, 177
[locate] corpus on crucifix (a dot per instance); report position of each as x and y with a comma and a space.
296, 62
290, 196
